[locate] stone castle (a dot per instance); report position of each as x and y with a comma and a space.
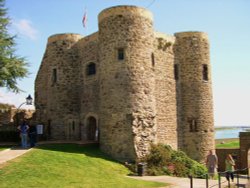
127, 86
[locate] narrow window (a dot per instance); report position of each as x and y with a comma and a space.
54, 76
193, 125
73, 125
91, 69
120, 54
205, 72
153, 59
176, 71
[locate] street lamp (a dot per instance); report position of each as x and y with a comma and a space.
28, 101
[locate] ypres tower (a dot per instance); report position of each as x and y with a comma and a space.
127, 86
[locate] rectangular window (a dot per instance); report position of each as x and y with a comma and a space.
205, 72
91, 70
120, 54
176, 71
54, 76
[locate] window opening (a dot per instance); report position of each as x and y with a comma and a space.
120, 54
91, 69
153, 59
54, 76
176, 71
205, 72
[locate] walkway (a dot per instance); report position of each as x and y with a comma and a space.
12, 153
177, 182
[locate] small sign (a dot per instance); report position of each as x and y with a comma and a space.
39, 129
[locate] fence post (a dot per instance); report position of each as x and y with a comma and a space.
191, 181
206, 180
219, 180
238, 182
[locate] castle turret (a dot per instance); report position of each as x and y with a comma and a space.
194, 94
56, 86
127, 107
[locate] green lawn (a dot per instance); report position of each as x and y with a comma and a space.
231, 144
68, 165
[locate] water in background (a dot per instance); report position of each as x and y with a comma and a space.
230, 132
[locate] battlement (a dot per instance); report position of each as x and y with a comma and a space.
89, 38
125, 10
64, 36
167, 37
191, 34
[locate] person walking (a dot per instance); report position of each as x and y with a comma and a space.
212, 164
23, 128
229, 163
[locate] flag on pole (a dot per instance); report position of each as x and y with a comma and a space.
84, 18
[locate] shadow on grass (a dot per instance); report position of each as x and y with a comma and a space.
91, 150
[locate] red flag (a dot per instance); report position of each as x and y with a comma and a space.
84, 19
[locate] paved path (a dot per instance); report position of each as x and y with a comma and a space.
12, 153
185, 182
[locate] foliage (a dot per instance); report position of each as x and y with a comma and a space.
68, 165
12, 67
162, 160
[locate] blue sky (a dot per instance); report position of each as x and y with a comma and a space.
227, 23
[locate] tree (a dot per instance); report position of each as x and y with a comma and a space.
12, 66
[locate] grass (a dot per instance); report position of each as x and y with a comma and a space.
228, 143
68, 165
4, 147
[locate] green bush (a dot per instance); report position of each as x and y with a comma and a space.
162, 160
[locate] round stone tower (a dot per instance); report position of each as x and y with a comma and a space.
194, 94
61, 76
127, 107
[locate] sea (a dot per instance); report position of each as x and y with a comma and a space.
230, 132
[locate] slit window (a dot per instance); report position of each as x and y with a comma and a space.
205, 72
153, 59
193, 125
120, 54
176, 72
54, 76
91, 69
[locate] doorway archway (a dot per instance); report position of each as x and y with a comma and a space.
92, 129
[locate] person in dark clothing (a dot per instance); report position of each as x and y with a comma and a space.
32, 135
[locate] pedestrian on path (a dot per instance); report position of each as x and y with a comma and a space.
229, 163
212, 164
23, 128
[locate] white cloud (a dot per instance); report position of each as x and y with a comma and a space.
14, 99
25, 28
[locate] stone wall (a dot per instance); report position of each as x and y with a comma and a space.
127, 107
134, 97
165, 92
194, 94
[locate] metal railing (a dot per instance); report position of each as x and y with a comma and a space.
238, 173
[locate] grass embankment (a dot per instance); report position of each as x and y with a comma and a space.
227, 143
67, 165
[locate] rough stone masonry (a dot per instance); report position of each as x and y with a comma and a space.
127, 86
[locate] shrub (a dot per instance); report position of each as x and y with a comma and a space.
162, 160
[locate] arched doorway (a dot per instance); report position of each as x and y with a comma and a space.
92, 129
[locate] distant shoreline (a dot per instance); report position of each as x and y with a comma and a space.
232, 127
